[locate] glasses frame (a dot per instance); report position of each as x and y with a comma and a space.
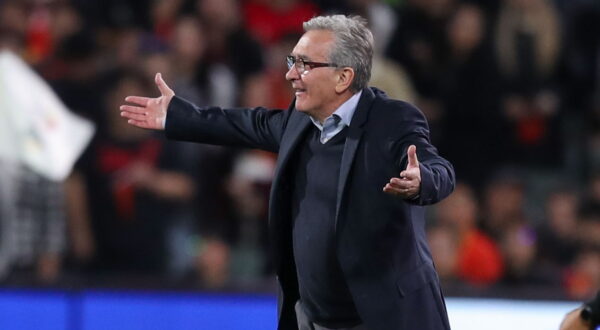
303, 66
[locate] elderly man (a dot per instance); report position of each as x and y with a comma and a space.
353, 172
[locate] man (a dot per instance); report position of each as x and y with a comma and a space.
354, 169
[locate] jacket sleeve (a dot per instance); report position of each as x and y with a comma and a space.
437, 174
258, 128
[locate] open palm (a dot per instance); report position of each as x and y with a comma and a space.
408, 184
149, 112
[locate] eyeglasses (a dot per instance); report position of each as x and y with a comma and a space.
303, 66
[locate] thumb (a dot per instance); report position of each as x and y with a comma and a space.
162, 85
412, 156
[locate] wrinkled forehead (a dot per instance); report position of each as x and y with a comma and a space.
314, 45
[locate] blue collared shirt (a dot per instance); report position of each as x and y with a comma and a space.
340, 118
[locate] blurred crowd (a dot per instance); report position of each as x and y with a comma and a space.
511, 89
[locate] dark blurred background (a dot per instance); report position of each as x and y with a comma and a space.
511, 89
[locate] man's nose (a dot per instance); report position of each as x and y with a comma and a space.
292, 74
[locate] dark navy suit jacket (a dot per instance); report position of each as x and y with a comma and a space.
380, 238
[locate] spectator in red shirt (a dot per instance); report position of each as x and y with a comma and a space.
478, 259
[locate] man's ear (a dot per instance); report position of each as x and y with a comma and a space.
344, 79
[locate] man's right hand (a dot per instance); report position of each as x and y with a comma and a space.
149, 112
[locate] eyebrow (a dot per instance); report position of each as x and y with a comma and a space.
303, 57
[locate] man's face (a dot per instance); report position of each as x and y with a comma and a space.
315, 88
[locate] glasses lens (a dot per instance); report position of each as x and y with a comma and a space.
292, 61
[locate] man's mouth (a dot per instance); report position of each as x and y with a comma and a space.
299, 91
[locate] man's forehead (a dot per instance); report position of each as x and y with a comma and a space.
312, 44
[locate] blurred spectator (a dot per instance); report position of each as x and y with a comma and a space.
13, 17
558, 241
32, 218
478, 259
280, 92
393, 79
589, 216
66, 22
248, 187
212, 264
13, 26
528, 41
418, 42
118, 13
589, 228
582, 279
519, 249
32, 207
75, 74
419, 45
471, 107
164, 17
187, 56
591, 201
39, 34
234, 61
233, 248
139, 187
381, 17
48, 24
443, 242
124, 46
386, 74
82, 245
269, 20
503, 203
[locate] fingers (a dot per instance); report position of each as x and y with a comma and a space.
401, 184
139, 100
405, 188
162, 85
139, 123
412, 156
133, 109
389, 189
134, 116
402, 191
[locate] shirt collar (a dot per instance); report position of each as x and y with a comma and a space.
345, 111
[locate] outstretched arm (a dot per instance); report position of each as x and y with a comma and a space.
147, 112
258, 128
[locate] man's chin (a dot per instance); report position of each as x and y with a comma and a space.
300, 106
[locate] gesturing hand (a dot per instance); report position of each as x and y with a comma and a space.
408, 184
149, 112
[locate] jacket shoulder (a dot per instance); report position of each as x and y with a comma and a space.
389, 108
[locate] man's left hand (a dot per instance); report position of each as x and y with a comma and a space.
408, 185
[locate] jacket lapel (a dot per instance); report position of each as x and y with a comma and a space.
355, 132
297, 125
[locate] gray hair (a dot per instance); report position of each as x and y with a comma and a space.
353, 46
